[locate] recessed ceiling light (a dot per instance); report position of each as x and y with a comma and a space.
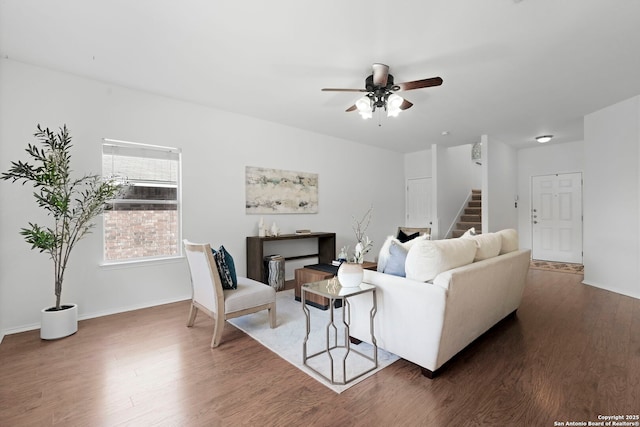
544, 138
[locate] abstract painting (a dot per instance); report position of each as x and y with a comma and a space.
275, 191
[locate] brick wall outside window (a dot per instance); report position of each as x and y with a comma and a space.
140, 233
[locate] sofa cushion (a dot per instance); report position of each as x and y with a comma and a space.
488, 245
509, 240
396, 261
428, 258
383, 256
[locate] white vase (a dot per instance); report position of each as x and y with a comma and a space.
59, 324
350, 274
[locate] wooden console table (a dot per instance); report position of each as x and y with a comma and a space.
255, 251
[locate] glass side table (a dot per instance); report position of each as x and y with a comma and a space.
332, 290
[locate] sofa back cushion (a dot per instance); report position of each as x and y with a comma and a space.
488, 245
509, 238
428, 258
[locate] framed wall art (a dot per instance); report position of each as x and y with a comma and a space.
276, 191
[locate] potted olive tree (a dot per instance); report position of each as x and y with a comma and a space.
72, 203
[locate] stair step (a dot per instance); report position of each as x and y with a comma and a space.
473, 211
475, 203
476, 197
471, 218
476, 191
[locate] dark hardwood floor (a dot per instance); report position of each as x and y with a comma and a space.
571, 353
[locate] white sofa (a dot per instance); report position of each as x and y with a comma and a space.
427, 322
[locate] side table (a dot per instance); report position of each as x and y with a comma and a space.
306, 275
333, 291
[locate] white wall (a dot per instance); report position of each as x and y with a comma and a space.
611, 198
454, 178
499, 185
417, 164
542, 159
216, 148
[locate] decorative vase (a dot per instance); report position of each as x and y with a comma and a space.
60, 323
350, 274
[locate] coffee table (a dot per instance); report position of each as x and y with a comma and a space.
333, 291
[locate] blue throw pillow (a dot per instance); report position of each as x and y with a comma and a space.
397, 258
226, 268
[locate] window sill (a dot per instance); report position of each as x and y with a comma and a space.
141, 262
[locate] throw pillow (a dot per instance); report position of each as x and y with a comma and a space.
428, 258
396, 261
469, 232
226, 268
509, 240
383, 256
404, 237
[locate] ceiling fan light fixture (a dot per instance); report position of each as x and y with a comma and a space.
364, 107
393, 105
379, 88
544, 138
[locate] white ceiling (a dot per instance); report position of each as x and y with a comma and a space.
512, 69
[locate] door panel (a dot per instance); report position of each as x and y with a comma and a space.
556, 216
418, 202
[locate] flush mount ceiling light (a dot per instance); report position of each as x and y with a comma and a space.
544, 138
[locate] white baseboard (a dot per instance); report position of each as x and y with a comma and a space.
33, 326
610, 289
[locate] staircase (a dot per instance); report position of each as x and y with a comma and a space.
472, 216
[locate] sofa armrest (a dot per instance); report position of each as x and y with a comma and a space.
409, 319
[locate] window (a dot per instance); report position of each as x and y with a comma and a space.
145, 222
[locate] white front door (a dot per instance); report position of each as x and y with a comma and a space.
556, 217
418, 202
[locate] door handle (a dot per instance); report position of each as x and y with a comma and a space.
535, 222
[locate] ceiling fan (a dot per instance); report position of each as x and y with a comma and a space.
380, 88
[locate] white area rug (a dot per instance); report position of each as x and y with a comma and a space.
286, 341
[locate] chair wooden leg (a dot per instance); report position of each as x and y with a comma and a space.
192, 315
218, 328
272, 315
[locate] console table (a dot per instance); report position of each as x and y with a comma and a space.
255, 250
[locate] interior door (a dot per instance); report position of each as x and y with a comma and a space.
556, 217
418, 202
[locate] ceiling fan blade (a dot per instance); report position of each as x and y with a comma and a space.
406, 104
352, 108
380, 74
418, 84
330, 89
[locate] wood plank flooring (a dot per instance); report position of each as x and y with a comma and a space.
571, 353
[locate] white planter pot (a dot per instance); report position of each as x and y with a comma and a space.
59, 324
350, 274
